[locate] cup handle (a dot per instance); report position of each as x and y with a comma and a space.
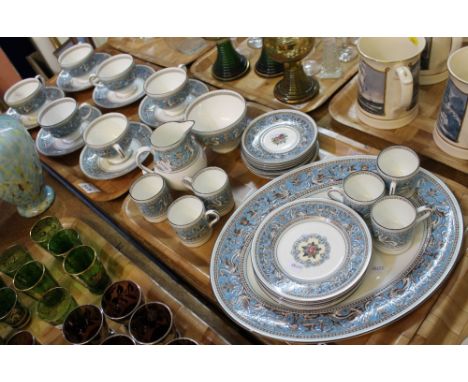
187, 181
392, 188
119, 150
94, 80
215, 216
139, 152
331, 194
40, 79
457, 43
406, 86
424, 212
88, 113
182, 66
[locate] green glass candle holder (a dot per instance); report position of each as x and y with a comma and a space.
13, 258
43, 230
63, 242
55, 306
12, 312
229, 64
267, 67
34, 279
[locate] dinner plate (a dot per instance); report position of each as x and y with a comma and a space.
392, 287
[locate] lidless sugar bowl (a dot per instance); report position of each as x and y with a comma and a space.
220, 119
21, 179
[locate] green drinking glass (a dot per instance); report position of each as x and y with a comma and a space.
12, 312
13, 258
63, 241
43, 230
55, 306
34, 279
83, 264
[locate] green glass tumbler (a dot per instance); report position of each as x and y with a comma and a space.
34, 279
83, 264
229, 64
12, 312
43, 230
13, 258
64, 241
55, 306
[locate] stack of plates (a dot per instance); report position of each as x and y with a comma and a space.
310, 253
278, 141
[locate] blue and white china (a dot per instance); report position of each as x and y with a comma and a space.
451, 131
311, 250
71, 83
21, 179
392, 287
279, 139
434, 58
220, 118
152, 196
176, 154
211, 185
50, 146
360, 190
26, 96
398, 166
96, 167
112, 99
190, 221
388, 80
29, 120
152, 115
77, 60
394, 220
115, 73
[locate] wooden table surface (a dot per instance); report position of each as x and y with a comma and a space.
193, 266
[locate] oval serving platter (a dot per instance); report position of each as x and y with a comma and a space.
392, 287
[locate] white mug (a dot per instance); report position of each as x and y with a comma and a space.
451, 132
434, 58
388, 80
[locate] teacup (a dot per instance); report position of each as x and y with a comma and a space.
77, 60
220, 119
115, 73
451, 132
361, 189
191, 222
152, 197
169, 88
389, 80
62, 118
398, 166
393, 220
110, 137
211, 185
26, 96
434, 58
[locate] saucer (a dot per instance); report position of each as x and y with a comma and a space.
154, 116
29, 121
95, 167
112, 99
50, 146
70, 84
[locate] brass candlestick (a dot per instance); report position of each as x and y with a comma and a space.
229, 64
295, 87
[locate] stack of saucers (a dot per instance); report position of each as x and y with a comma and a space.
278, 141
310, 253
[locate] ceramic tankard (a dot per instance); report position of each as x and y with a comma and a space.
389, 80
451, 132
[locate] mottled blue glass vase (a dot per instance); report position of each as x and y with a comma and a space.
21, 179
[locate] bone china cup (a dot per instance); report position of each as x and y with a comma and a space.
361, 189
388, 80
190, 221
62, 117
26, 96
398, 166
393, 220
115, 73
109, 136
77, 60
220, 119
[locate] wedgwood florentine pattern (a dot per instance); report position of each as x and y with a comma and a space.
124, 142
33, 104
121, 82
355, 234
195, 232
178, 157
437, 257
222, 138
302, 125
158, 207
84, 68
67, 127
311, 250
175, 99
220, 202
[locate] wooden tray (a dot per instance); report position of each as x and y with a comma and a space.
259, 89
163, 51
119, 267
417, 134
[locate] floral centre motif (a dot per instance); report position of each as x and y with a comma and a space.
311, 250
279, 139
